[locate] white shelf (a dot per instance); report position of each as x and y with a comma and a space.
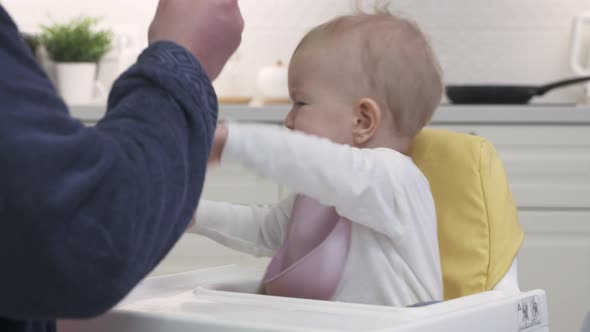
501, 114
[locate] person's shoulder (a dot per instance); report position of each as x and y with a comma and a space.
402, 164
391, 154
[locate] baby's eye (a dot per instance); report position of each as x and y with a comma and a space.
299, 104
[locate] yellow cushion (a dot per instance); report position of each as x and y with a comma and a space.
478, 229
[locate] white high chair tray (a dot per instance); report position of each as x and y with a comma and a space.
221, 300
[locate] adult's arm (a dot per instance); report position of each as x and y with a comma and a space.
87, 212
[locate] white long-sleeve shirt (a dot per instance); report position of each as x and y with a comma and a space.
393, 256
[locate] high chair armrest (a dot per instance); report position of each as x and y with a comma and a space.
509, 283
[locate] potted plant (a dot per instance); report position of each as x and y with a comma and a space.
75, 48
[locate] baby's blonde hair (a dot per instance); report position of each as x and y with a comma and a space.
390, 60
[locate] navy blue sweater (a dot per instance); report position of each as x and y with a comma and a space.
87, 212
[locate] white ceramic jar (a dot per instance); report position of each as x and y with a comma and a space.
273, 85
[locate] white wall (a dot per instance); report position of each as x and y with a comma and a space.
502, 41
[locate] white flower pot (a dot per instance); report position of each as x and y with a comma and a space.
77, 84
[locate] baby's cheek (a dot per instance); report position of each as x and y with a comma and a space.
302, 124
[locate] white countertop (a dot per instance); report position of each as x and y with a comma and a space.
449, 114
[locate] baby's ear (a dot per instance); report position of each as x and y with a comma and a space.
367, 119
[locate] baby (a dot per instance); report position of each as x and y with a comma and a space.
361, 226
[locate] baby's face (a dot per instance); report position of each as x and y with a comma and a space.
319, 105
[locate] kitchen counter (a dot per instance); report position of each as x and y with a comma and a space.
455, 114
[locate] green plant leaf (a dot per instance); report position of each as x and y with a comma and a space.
76, 41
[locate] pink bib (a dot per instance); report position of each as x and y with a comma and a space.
311, 260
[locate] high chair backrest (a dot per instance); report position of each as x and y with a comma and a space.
478, 229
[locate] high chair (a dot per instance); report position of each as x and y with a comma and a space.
478, 229
479, 238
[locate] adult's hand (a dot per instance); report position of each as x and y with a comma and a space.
210, 29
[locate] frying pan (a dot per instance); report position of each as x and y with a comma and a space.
503, 94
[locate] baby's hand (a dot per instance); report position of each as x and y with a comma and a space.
219, 140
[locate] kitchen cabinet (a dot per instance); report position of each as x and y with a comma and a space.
548, 167
546, 153
556, 257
